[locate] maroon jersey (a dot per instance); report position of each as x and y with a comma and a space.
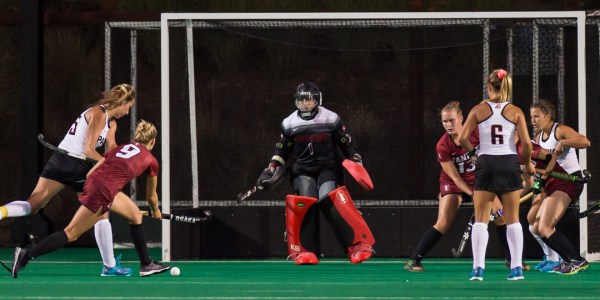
120, 166
447, 150
552, 184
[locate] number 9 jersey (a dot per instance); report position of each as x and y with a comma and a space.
120, 166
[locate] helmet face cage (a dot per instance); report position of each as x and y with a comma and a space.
305, 103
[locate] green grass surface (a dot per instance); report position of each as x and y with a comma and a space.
73, 273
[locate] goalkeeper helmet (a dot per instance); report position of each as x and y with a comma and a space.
307, 99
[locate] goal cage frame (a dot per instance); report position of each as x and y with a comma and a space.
194, 20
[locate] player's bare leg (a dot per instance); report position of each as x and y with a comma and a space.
44, 190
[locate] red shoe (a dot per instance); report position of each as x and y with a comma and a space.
359, 252
306, 258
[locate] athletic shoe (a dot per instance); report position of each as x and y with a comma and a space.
516, 274
525, 266
117, 270
550, 266
476, 274
153, 268
413, 265
574, 267
304, 258
563, 264
20, 261
542, 264
359, 252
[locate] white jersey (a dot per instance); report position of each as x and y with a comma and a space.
496, 133
74, 140
567, 159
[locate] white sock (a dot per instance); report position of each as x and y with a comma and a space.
548, 252
17, 208
479, 241
514, 235
553, 256
545, 247
104, 239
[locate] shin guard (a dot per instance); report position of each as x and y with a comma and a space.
296, 209
348, 223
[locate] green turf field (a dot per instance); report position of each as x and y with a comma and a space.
73, 273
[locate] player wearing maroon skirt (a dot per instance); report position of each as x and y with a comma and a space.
121, 165
101, 194
556, 197
448, 151
562, 140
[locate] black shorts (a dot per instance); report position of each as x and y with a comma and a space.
326, 174
498, 173
67, 170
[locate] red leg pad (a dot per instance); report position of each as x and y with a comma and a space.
345, 206
295, 210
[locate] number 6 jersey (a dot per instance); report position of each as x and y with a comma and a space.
496, 133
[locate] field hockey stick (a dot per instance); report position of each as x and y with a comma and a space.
207, 217
275, 178
6, 267
587, 175
457, 252
244, 195
590, 210
63, 151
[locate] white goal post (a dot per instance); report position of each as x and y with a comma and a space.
189, 21
165, 83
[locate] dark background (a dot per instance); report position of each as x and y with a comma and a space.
389, 94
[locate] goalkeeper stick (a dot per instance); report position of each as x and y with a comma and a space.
263, 185
184, 219
245, 195
457, 252
63, 151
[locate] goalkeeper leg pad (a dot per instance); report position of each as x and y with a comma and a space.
349, 225
300, 219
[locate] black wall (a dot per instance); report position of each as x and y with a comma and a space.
257, 232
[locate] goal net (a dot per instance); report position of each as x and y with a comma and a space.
226, 82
